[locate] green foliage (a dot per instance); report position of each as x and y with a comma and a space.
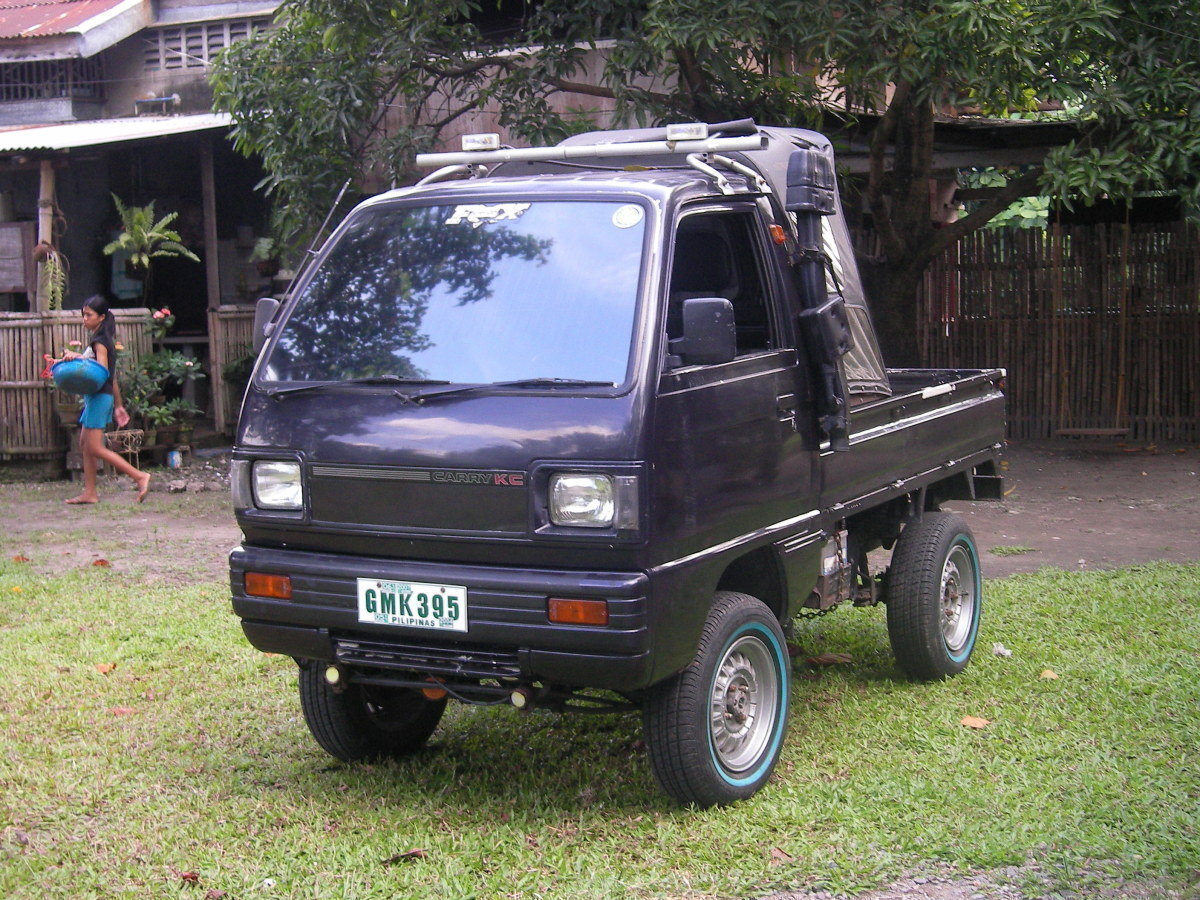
143, 237
144, 386
52, 274
307, 97
1027, 212
1011, 550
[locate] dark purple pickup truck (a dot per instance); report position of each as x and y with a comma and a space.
588, 426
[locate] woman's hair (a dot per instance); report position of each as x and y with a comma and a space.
98, 304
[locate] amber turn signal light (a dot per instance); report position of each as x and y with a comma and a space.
259, 584
577, 612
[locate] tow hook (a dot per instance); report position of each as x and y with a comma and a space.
335, 678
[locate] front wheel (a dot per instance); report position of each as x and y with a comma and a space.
934, 597
366, 722
715, 731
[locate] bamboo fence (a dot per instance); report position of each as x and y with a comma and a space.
231, 335
29, 426
1098, 326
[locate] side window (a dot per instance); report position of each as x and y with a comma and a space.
718, 255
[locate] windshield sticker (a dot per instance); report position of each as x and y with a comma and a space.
475, 214
627, 216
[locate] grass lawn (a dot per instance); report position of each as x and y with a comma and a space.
185, 769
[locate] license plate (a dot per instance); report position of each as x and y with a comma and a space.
412, 604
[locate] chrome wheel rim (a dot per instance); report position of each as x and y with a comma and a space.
958, 597
743, 704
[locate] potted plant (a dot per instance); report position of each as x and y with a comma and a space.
265, 256
184, 411
145, 386
143, 237
52, 275
157, 418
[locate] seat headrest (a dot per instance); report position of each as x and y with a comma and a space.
703, 263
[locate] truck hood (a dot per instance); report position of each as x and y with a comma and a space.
373, 427
378, 464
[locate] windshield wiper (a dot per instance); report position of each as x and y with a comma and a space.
370, 379
422, 396
552, 382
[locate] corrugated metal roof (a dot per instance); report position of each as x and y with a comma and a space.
106, 131
22, 19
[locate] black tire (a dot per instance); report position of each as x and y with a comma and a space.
934, 597
365, 722
742, 669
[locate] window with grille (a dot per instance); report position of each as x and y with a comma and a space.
195, 46
52, 79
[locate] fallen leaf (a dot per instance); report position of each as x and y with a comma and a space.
975, 722
105, 668
829, 659
1048, 675
781, 856
122, 710
189, 877
20, 558
18, 590
406, 856
101, 562
214, 894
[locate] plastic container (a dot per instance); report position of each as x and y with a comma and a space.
78, 376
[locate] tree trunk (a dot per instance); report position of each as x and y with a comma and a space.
892, 294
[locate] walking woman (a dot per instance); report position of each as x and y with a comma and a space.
99, 408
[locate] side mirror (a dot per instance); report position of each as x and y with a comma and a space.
709, 336
264, 314
811, 185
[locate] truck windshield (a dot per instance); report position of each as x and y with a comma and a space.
470, 293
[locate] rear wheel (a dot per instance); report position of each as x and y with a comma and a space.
364, 721
934, 597
715, 731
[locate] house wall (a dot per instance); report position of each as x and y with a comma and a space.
129, 81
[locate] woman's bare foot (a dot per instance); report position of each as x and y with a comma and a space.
143, 485
82, 499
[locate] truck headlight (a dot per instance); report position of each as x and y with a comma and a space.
277, 485
582, 500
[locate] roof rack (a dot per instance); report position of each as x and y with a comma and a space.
699, 151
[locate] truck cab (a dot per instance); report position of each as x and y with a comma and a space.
588, 426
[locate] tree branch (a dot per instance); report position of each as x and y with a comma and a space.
579, 87
1003, 198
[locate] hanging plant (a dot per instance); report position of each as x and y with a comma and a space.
143, 237
52, 276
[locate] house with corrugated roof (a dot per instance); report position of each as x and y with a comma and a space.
104, 98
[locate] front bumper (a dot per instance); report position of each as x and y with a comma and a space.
509, 634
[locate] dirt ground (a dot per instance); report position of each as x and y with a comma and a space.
1073, 506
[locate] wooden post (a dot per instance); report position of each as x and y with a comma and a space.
45, 227
212, 265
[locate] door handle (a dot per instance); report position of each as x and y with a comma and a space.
785, 408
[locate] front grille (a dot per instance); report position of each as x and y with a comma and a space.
447, 662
